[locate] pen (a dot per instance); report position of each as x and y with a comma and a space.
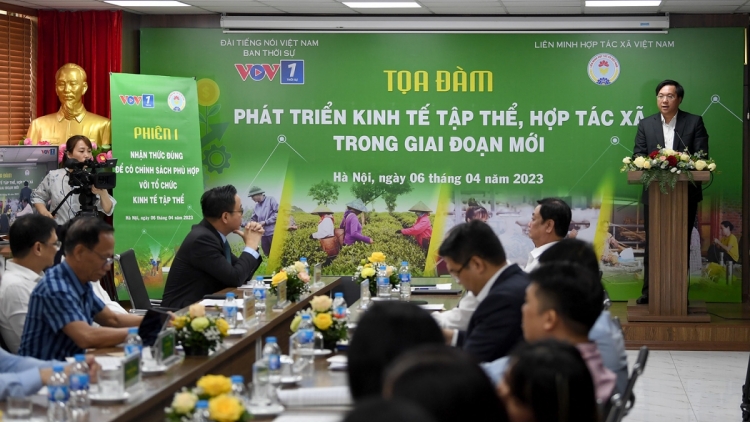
424, 288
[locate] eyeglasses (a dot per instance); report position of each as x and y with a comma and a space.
669, 97
456, 273
57, 244
108, 260
241, 211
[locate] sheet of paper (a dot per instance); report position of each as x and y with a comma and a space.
108, 362
220, 303
443, 286
310, 416
433, 307
316, 396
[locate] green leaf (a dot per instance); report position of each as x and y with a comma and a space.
203, 118
213, 111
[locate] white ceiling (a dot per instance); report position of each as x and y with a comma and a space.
429, 7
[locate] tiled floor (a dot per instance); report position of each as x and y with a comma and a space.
689, 387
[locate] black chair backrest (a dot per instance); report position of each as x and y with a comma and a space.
628, 398
614, 407
134, 280
350, 288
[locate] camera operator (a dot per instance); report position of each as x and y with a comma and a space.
56, 185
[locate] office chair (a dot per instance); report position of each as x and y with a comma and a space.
627, 400
131, 274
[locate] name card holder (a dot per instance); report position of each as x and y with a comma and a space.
164, 348
281, 301
131, 371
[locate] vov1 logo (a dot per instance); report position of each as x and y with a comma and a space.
145, 100
257, 72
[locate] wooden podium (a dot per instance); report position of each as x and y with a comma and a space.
668, 256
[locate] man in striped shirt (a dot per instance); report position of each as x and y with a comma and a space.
63, 305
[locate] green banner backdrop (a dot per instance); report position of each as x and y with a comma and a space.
159, 184
477, 124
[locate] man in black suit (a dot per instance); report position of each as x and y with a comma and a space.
674, 129
475, 257
204, 263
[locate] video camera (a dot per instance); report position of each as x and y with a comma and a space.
87, 174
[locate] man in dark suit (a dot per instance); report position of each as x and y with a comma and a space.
674, 129
204, 263
475, 257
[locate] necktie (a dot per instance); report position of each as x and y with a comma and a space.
227, 252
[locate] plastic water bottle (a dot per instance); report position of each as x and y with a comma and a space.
133, 342
201, 411
259, 290
307, 266
58, 395
238, 388
384, 285
230, 310
272, 353
306, 345
79, 390
339, 307
404, 276
260, 383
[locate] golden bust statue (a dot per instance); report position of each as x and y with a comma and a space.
72, 118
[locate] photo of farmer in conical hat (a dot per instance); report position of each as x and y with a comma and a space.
351, 225
422, 228
266, 212
325, 234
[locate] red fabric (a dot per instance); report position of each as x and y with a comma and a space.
90, 39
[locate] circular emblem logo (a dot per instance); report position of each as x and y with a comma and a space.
176, 101
603, 69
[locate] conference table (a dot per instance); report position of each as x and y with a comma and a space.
235, 357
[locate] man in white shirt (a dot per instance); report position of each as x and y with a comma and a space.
33, 243
549, 225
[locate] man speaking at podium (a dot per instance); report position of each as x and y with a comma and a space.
674, 129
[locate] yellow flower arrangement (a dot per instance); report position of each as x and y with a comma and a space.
368, 270
323, 321
278, 278
199, 333
223, 326
184, 402
297, 280
222, 405
376, 257
199, 324
213, 385
321, 313
225, 408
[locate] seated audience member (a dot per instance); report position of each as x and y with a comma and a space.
458, 318
548, 381
63, 305
204, 263
475, 257
549, 225
33, 243
562, 302
383, 333
446, 382
95, 285
607, 336
380, 410
31, 374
